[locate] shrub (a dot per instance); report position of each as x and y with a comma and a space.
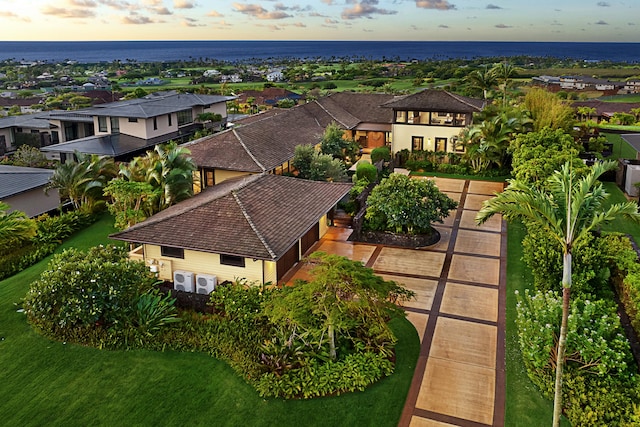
365, 171
380, 153
600, 375
86, 291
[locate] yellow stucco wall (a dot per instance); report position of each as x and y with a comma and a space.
222, 175
208, 263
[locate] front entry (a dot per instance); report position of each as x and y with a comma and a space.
287, 261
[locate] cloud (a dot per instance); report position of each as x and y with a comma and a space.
603, 4
295, 8
190, 22
329, 2
83, 3
183, 4
257, 11
65, 12
503, 26
631, 23
317, 15
215, 14
13, 16
435, 4
601, 22
443, 26
117, 4
365, 9
300, 25
137, 20
493, 7
331, 21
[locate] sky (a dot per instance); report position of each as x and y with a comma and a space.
456, 20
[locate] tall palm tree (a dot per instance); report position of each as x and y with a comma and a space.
504, 73
484, 79
569, 208
15, 227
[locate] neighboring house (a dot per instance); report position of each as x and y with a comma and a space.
431, 120
22, 189
605, 110
255, 227
123, 129
275, 76
632, 86
578, 83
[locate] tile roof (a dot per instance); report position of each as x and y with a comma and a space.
266, 140
15, 180
256, 216
437, 100
603, 108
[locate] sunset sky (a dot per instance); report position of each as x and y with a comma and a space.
514, 20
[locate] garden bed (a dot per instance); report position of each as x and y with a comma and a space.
396, 239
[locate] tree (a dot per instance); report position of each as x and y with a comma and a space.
569, 209
404, 205
15, 227
131, 202
586, 112
29, 156
310, 164
504, 73
484, 79
82, 181
343, 299
547, 110
335, 144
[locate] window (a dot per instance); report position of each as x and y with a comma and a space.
115, 125
168, 251
209, 178
155, 123
133, 120
233, 260
417, 143
169, 119
401, 117
185, 117
441, 144
102, 124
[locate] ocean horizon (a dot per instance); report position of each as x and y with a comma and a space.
264, 50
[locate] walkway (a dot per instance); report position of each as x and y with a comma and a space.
459, 312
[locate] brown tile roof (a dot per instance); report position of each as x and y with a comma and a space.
265, 141
437, 100
603, 108
257, 216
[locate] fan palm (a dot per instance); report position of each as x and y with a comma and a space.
569, 208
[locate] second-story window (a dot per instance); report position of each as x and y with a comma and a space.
102, 124
155, 123
169, 119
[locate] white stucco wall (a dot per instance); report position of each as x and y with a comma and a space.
403, 134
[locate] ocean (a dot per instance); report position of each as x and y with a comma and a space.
247, 51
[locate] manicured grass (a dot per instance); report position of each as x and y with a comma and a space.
628, 129
525, 406
51, 383
621, 148
454, 176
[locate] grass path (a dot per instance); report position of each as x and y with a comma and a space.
44, 382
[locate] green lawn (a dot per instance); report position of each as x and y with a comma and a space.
51, 383
621, 148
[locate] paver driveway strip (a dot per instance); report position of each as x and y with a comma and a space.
459, 312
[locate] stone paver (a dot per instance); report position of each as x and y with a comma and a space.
470, 301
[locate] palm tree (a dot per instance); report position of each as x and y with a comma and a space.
484, 79
569, 208
15, 227
504, 73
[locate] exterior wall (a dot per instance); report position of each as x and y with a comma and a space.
402, 135
324, 225
8, 138
222, 175
209, 263
34, 202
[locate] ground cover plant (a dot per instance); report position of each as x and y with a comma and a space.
55, 383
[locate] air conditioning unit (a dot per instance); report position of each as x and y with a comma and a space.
205, 283
183, 281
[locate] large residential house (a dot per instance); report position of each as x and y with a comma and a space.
250, 222
119, 129
255, 227
265, 142
23, 189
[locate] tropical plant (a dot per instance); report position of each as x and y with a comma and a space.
505, 72
334, 143
404, 205
15, 227
484, 79
585, 113
569, 208
547, 110
130, 201
311, 164
81, 181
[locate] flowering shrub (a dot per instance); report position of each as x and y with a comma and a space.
600, 376
83, 290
